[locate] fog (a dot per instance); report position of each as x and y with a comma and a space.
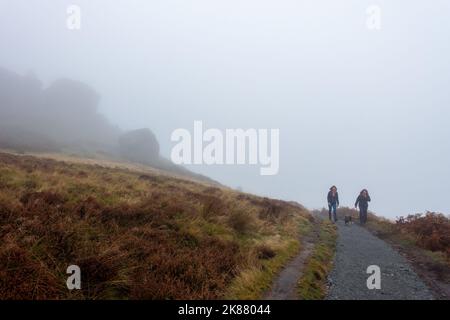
356, 108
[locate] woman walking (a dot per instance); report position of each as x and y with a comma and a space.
333, 203
363, 202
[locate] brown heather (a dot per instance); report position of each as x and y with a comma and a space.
135, 235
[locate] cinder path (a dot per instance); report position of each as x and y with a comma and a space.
357, 249
285, 285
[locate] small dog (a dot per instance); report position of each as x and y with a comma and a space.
348, 220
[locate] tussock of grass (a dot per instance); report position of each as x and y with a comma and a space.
135, 235
254, 280
312, 284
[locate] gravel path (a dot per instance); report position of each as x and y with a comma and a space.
357, 249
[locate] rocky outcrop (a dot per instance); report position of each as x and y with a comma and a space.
139, 146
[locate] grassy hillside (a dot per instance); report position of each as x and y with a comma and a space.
135, 234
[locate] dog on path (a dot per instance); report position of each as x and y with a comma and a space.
348, 220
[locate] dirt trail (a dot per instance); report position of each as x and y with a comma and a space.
357, 249
285, 285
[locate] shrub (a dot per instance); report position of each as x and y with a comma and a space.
241, 221
264, 252
39, 198
431, 230
21, 277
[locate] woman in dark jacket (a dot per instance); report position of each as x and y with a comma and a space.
363, 202
333, 202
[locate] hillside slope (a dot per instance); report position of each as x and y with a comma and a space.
135, 234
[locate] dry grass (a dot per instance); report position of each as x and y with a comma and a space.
431, 231
135, 235
312, 284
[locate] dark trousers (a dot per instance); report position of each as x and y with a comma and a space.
332, 210
363, 214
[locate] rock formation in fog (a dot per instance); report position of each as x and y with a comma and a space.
139, 146
63, 116
71, 107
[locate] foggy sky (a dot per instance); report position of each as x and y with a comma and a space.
355, 108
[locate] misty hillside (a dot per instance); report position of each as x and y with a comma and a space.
136, 235
64, 118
